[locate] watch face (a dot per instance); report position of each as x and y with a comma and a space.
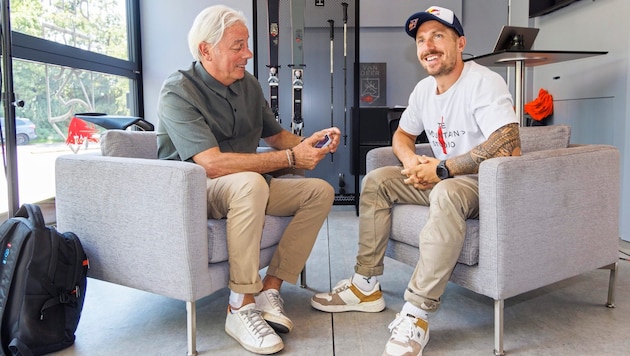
441, 170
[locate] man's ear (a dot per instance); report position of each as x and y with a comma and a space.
461, 43
205, 50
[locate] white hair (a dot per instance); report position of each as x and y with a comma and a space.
210, 25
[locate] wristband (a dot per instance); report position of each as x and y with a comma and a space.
289, 158
293, 157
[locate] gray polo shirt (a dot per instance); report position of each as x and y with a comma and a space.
196, 113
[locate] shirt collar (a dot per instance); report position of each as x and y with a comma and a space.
214, 84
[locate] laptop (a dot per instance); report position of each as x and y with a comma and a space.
513, 38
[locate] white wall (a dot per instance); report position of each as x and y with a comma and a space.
164, 28
591, 94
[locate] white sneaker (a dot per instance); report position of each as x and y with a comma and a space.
272, 307
409, 336
348, 297
251, 331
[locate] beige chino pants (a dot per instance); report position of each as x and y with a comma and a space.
450, 203
244, 199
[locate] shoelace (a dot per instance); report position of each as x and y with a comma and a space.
342, 285
402, 328
276, 301
254, 318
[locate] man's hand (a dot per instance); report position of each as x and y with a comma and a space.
422, 175
307, 156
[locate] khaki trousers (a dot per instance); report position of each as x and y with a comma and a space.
244, 199
450, 203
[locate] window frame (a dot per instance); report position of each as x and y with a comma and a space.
36, 49
31, 48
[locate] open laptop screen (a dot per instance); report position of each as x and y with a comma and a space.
516, 38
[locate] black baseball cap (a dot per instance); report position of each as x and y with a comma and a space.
443, 15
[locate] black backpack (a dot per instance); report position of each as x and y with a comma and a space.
42, 285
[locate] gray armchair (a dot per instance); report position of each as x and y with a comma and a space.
143, 221
551, 214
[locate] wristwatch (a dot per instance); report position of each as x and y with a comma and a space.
441, 170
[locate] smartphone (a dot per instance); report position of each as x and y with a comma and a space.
323, 142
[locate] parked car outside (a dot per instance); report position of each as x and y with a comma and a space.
24, 130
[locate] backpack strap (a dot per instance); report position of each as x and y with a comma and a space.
11, 248
18, 348
32, 213
58, 296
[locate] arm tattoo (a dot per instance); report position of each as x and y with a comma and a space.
504, 142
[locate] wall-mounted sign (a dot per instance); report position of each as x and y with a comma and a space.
373, 85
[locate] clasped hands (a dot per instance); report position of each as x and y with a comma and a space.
421, 174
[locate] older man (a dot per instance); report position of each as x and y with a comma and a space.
214, 114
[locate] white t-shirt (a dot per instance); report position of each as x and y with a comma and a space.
464, 116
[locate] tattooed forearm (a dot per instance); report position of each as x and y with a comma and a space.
503, 142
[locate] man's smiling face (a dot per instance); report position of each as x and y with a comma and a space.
227, 60
437, 48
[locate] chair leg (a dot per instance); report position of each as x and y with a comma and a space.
498, 327
612, 283
303, 278
191, 326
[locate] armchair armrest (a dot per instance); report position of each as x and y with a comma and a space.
384, 156
151, 216
543, 211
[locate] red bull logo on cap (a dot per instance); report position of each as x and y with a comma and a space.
442, 13
434, 10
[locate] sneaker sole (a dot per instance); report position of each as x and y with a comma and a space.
258, 350
280, 325
368, 307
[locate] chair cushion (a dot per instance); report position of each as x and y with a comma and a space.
408, 220
143, 144
538, 138
217, 232
134, 144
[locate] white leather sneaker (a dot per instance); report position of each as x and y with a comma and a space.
348, 297
272, 307
252, 331
409, 336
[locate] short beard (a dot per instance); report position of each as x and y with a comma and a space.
445, 69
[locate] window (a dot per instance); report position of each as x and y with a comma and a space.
95, 26
68, 56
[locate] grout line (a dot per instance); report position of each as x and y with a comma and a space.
332, 315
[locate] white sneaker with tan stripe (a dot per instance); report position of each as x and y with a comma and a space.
409, 336
348, 297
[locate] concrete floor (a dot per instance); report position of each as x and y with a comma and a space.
566, 318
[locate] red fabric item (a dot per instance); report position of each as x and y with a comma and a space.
541, 107
79, 131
